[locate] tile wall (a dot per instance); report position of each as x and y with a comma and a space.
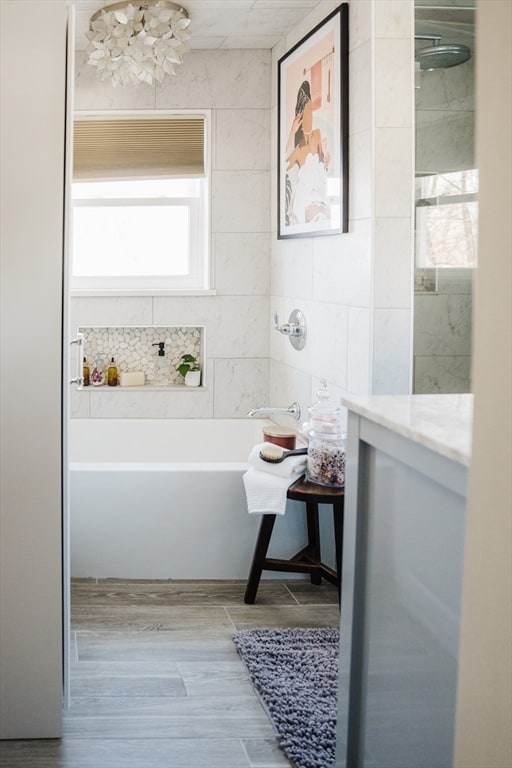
234, 85
356, 289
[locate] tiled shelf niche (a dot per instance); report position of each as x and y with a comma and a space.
135, 348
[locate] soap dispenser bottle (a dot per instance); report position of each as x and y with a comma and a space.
162, 373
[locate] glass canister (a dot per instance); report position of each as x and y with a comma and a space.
327, 442
98, 375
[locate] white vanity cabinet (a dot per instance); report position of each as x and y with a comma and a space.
405, 502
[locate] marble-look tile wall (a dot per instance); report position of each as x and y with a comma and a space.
442, 312
442, 332
356, 289
235, 86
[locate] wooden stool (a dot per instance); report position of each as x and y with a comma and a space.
308, 560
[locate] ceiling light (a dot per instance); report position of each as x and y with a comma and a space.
134, 44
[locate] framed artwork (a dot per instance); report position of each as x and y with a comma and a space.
312, 142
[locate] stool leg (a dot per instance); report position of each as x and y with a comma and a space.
338, 511
314, 536
258, 559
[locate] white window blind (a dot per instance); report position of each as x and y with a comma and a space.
138, 147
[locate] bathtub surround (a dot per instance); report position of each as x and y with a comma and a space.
234, 85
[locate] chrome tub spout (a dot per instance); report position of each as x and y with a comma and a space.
292, 410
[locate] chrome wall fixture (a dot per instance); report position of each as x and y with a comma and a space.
291, 410
295, 328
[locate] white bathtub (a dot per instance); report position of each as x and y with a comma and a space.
164, 499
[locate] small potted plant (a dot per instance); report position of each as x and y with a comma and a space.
190, 369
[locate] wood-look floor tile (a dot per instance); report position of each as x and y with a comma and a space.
284, 616
92, 669
312, 594
179, 592
127, 685
265, 753
246, 706
221, 678
151, 646
216, 726
123, 753
212, 620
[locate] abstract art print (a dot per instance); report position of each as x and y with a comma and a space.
313, 131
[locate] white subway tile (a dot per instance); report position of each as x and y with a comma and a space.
359, 341
242, 139
394, 18
220, 79
239, 386
240, 201
442, 324
111, 310
392, 330
393, 172
394, 72
436, 374
92, 94
361, 175
108, 403
393, 262
242, 263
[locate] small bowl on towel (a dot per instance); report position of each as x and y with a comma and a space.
282, 436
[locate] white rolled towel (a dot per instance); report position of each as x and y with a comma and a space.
266, 484
266, 493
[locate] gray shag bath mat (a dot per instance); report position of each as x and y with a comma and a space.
294, 672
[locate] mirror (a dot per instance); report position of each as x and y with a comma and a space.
446, 196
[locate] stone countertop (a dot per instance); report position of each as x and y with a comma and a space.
439, 422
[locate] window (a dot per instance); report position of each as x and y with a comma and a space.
447, 219
139, 201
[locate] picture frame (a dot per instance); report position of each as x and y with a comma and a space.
312, 135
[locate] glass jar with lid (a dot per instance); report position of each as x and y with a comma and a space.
327, 442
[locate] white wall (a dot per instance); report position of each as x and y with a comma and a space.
234, 85
32, 159
483, 737
356, 289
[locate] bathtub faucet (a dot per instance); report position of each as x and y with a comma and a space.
292, 410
